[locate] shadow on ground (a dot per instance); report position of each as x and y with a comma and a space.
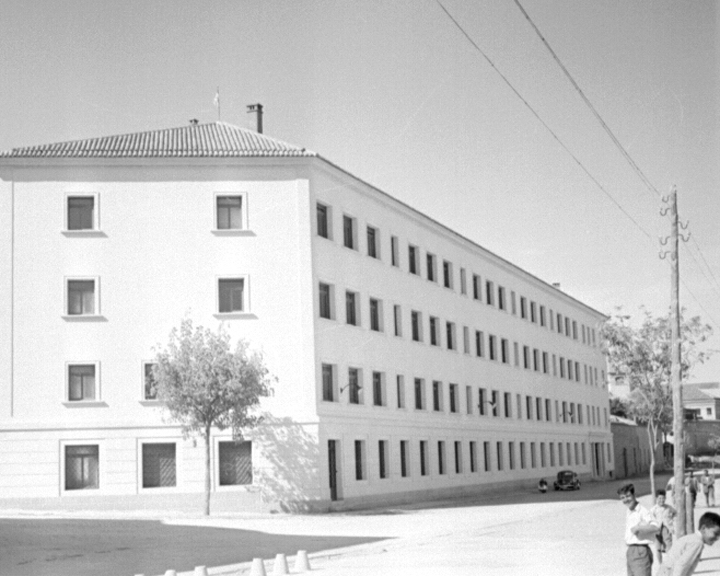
78, 547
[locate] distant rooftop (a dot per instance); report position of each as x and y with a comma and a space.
212, 140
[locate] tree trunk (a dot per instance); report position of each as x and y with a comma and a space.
207, 471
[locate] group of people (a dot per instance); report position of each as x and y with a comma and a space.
645, 529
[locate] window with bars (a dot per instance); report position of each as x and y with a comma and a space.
235, 463
159, 465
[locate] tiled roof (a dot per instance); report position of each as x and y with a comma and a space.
692, 393
213, 140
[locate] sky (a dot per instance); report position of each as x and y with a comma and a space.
507, 154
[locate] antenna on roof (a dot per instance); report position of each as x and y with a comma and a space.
216, 101
258, 109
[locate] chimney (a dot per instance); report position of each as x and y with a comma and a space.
257, 108
193, 122
556, 285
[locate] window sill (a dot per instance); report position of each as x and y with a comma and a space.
84, 234
233, 232
84, 318
85, 404
234, 315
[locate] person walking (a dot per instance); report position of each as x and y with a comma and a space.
708, 488
640, 530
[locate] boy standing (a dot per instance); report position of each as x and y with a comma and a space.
708, 488
685, 555
640, 530
665, 515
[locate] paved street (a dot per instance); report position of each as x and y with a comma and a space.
574, 533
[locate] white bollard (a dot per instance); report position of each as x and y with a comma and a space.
281, 566
258, 567
200, 571
302, 564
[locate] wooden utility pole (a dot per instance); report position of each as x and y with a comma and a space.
679, 496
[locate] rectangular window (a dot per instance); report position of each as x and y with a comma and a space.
526, 357
397, 318
400, 386
329, 389
507, 401
468, 399
466, 340
437, 396
453, 392
495, 402
447, 274
149, 383
528, 407
423, 458
231, 295
504, 351
511, 455
551, 317
513, 305
81, 298
419, 394
82, 467
574, 330
499, 455
577, 371
533, 460
355, 395
567, 326
492, 347
360, 462
450, 333
482, 401
159, 465
542, 455
552, 454
516, 353
230, 216
81, 382
349, 232
404, 459
394, 251
458, 458
501, 297
431, 270
584, 456
489, 293
548, 410
413, 260
486, 456
81, 213
562, 367
383, 459
518, 403
352, 314
561, 454
564, 413
463, 282
536, 360
533, 312
477, 287
441, 457
379, 398
373, 242
479, 344
559, 323
523, 307
376, 315
434, 331
323, 228
538, 408
416, 322
473, 456
235, 463
542, 315
325, 292
545, 367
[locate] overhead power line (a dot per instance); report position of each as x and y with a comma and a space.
545, 124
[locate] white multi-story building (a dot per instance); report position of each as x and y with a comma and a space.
410, 362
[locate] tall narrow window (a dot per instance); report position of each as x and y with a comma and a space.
419, 394
149, 383
378, 389
463, 282
477, 287
431, 272
394, 251
351, 315
482, 401
447, 274
81, 213
441, 457
373, 242
325, 294
434, 332
416, 319
328, 383
504, 351
489, 293
453, 391
473, 456
413, 257
437, 396
404, 459
376, 323
360, 460
468, 399
450, 332
466, 340
501, 298
492, 347
349, 232
499, 456
354, 386
322, 221
495, 403
423, 458
229, 212
479, 343
400, 386
458, 457
397, 318
383, 459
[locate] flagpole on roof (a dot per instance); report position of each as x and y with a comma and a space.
216, 101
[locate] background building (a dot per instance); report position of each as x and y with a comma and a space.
410, 361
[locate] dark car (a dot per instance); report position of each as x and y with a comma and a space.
567, 480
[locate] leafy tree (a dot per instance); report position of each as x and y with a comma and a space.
714, 445
204, 384
641, 356
618, 407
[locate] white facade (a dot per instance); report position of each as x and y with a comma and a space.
154, 253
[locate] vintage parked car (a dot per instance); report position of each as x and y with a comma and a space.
567, 480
